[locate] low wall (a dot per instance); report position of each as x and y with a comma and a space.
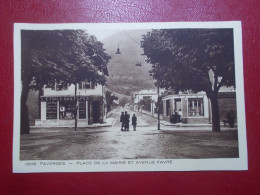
190, 120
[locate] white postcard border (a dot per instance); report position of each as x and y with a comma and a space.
138, 164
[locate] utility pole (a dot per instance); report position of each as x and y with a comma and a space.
76, 108
158, 107
138, 102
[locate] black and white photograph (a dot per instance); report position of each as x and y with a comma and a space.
129, 97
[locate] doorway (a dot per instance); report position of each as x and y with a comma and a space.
177, 105
96, 111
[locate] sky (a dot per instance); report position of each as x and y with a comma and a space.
102, 33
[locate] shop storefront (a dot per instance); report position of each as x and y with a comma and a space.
62, 110
189, 108
196, 108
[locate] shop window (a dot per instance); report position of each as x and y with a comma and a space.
195, 107
67, 110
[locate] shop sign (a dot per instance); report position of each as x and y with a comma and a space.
79, 98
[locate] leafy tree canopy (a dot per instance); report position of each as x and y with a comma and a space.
110, 97
191, 59
67, 55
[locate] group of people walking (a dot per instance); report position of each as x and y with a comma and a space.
125, 120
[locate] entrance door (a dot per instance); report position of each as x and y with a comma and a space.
177, 105
96, 111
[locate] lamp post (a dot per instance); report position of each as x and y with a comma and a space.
158, 107
138, 102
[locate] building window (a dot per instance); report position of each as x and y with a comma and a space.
147, 97
58, 86
195, 107
61, 86
86, 85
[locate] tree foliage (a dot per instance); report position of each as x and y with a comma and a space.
192, 59
67, 55
146, 104
110, 99
123, 101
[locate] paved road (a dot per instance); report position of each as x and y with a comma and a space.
112, 143
143, 120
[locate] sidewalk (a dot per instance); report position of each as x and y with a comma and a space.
182, 126
166, 123
109, 122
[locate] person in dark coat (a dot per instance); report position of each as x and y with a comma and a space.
122, 121
231, 118
174, 117
171, 118
134, 122
126, 120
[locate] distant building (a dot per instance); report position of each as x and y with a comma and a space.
146, 94
58, 105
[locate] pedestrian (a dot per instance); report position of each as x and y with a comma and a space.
122, 121
126, 120
175, 117
171, 118
179, 116
134, 122
231, 118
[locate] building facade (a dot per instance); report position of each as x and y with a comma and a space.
144, 95
193, 108
196, 108
60, 106
145, 101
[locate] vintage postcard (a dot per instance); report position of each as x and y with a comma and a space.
128, 97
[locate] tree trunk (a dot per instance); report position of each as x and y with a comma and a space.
76, 108
24, 124
215, 113
39, 102
158, 107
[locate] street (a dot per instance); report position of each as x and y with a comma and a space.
111, 143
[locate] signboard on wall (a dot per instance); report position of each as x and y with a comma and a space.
51, 110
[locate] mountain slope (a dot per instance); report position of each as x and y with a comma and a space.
124, 76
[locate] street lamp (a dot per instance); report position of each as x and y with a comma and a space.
138, 102
158, 107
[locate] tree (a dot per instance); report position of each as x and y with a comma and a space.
123, 101
110, 99
192, 59
69, 56
146, 103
